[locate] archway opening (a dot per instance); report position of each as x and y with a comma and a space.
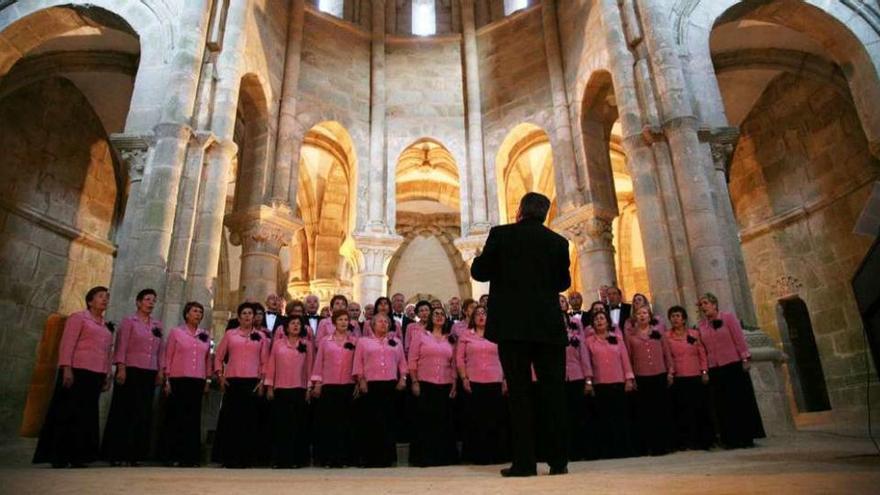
804, 363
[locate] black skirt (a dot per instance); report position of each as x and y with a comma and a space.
333, 443
736, 409
376, 442
70, 430
613, 429
235, 442
486, 425
693, 415
289, 428
576, 406
130, 421
653, 423
434, 442
264, 442
182, 427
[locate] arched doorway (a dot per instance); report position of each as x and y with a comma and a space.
62, 94
429, 219
801, 170
804, 363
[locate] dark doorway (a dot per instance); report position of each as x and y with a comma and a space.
807, 377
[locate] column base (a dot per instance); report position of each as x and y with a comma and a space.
769, 382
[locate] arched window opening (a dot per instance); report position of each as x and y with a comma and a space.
424, 18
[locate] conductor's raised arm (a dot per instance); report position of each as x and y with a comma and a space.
484, 266
564, 273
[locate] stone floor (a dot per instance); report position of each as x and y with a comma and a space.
806, 462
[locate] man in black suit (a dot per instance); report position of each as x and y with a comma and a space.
527, 265
619, 310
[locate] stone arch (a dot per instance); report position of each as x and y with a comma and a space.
524, 163
445, 233
844, 29
598, 114
321, 254
252, 137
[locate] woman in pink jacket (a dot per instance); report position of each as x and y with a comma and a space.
70, 432
739, 421
137, 357
689, 368
187, 367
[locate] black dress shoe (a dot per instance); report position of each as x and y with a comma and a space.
558, 470
515, 473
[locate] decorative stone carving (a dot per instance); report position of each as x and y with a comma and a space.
262, 229
722, 142
468, 246
588, 228
787, 286
132, 151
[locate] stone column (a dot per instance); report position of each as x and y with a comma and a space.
261, 231
692, 161
723, 143
377, 173
569, 185
287, 145
668, 271
769, 382
132, 150
160, 190
184, 225
375, 252
204, 256
468, 247
476, 177
590, 231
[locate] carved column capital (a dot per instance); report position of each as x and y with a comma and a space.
375, 251
589, 228
132, 151
262, 229
469, 245
722, 142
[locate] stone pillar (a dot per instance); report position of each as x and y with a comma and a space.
287, 145
374, 254
160, 191
692, 161
261, 231
476, 176
468, 247
590, 231
184, 225
377, 172
204, 256
569, 185
769, 382
132, 150
723, 143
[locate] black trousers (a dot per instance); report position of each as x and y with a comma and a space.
70, 430
236, 441
127, 434
376, 442
576, 403
289, 433
334, 416
182, 430
693, 415
486, 425
613, 426
434, 437
733, 397
654, 426
517, 358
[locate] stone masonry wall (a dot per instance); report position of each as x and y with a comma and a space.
799, 179
56, 168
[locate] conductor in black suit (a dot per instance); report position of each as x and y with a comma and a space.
527, 265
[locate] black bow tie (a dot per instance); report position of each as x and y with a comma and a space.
615, 306
398, 315
272, 313
312, 316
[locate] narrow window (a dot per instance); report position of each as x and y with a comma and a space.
511, 6
424, 18
332, 7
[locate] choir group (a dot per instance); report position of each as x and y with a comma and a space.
339, 390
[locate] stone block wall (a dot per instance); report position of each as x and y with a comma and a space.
57, 182
800, 177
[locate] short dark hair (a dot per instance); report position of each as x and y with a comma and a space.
534, 206
677, 309
429, 325
94, 291
303, 326
246, 305
380, 300
144, 293
423, 303
338, 297
190, 305
339, 313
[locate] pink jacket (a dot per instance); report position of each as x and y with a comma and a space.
289, 364
377, 360
648, 354
577, 357
432, 360
726, 344
187, 354
334, 360
610, 362
478, 358
136, 344
687, 356
86, 343
247, 356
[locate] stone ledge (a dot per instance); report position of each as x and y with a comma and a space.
64, 230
